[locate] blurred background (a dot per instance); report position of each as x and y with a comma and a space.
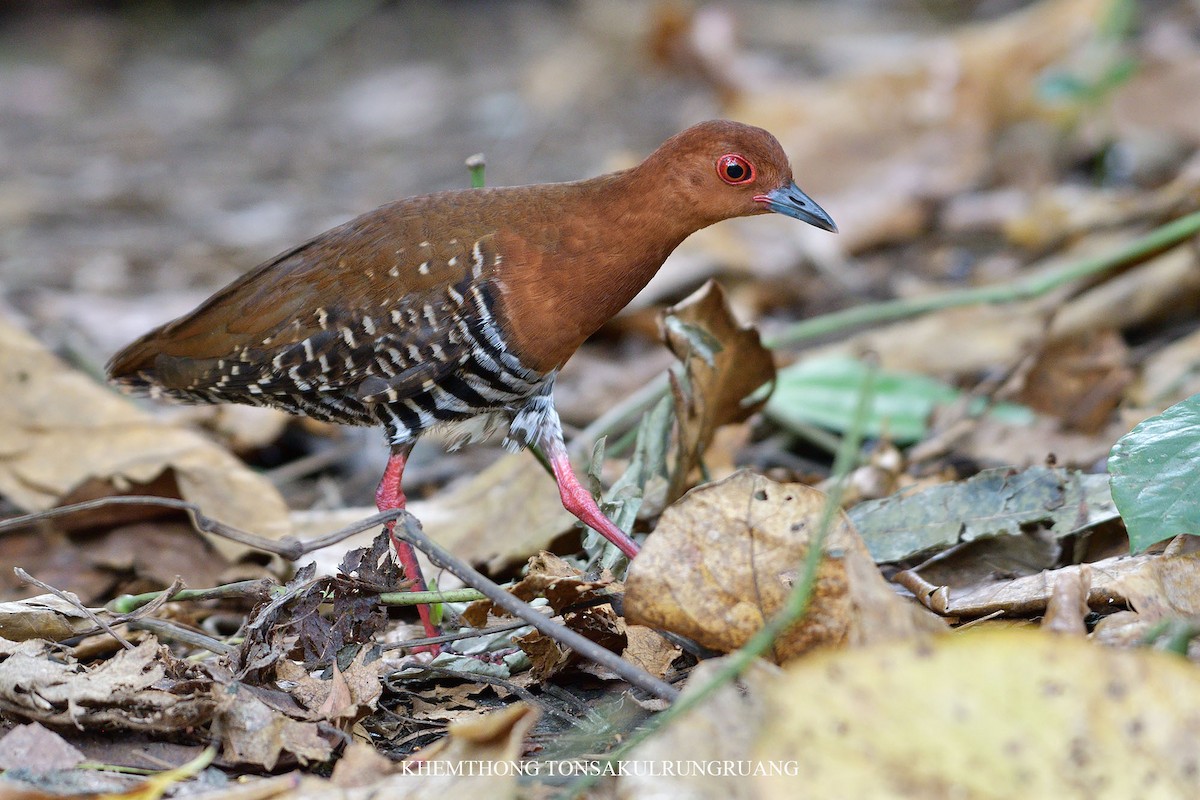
151, 152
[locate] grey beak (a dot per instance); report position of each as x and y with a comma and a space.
790, 201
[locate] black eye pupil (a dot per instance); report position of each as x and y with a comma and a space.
734, 170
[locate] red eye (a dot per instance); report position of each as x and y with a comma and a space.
733, 169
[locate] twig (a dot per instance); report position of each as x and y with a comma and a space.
155, 603
74, 601
165, 629
288, 547
411, 532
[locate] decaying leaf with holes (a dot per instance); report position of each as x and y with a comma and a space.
723, 559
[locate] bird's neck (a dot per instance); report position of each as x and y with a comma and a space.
603, 240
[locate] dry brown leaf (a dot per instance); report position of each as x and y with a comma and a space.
1168, 375
361, 765
496, 737
1157, 586
48, 448
252, 732
1080, 380
649, 650
723, 560
123, 693
563, 586
546, 656
983, 336
1161, 586
43, 617
548, 576
156, 552
990, 441
33, 748
725, 363
1159, 100
475, 760
1014, 713
500, 516
493, 519
343, 698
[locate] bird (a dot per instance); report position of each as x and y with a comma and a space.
456, 310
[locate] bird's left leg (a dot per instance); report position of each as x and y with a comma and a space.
388, 496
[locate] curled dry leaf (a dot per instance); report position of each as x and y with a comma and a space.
1157, 586
725, 366
548, 576
341, 699
498, 737
46, 616
1014, 713
723, 560
113, 443
361, 765
1068, 606
130, 691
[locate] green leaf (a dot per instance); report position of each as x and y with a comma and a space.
995, 502
1155, 474
822, 391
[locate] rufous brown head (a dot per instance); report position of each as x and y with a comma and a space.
722, 169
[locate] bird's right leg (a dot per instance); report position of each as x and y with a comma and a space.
575, 498
390, 495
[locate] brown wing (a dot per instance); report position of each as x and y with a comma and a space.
371, 299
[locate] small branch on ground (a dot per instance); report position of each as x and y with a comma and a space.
411, 532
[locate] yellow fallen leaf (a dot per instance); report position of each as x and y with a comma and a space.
1013, 713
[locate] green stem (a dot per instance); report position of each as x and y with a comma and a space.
1169, 235
475, 166
428, 598
127, 603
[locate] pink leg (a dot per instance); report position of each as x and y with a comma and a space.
388, 496
578, 500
